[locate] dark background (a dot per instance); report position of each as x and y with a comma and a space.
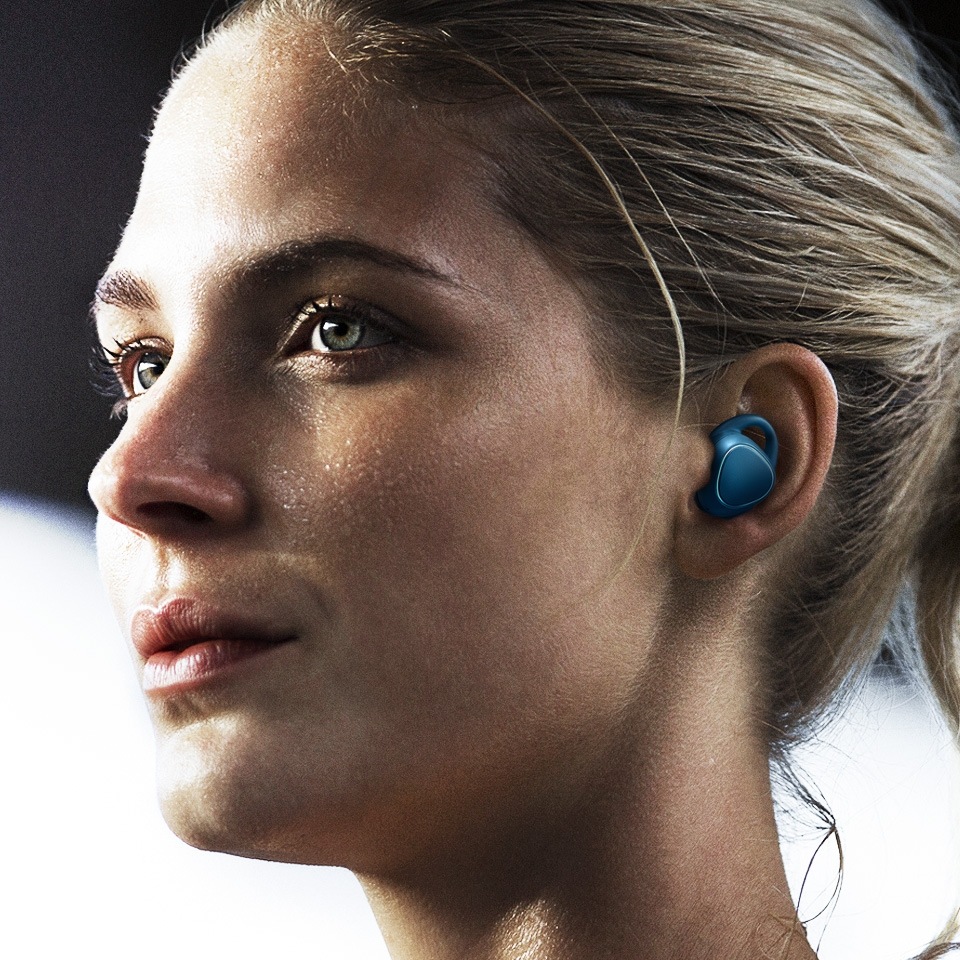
78, 83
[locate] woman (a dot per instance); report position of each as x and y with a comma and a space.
423, 321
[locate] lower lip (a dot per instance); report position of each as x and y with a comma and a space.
172, 671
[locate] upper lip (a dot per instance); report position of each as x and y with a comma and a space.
180, 622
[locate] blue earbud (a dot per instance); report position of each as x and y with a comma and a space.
743, 472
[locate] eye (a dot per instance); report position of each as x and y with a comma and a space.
138, 366
127, 372
338, 325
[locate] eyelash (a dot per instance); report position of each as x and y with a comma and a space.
109, 367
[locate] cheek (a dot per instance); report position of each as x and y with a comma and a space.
481, 652
469, 555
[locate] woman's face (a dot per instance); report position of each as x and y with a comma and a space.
366, 420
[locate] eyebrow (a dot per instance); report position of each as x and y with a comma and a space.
124, 289
296, 255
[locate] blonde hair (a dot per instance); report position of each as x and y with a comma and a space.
723, 174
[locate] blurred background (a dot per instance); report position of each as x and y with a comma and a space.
89, 854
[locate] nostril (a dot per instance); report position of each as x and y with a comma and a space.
172, 511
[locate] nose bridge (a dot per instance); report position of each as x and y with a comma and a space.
179, 456
187, 415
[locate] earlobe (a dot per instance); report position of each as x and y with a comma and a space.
745, 497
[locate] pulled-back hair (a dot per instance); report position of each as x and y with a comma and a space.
720, 175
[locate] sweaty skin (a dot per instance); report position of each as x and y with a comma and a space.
528, 732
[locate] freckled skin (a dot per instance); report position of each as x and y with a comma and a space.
528, 730
440, 538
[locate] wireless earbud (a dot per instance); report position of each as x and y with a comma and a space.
743, 472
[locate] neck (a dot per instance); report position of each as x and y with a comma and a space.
673, 853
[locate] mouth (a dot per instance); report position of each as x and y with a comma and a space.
185, 642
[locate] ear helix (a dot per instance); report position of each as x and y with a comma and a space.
743, 472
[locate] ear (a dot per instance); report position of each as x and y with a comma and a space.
792, 388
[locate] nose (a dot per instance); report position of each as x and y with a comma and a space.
172, 472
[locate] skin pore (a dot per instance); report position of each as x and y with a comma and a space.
528, 733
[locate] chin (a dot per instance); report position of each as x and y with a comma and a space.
252, 805
222, 820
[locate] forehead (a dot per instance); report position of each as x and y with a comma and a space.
258, 92
264, 136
